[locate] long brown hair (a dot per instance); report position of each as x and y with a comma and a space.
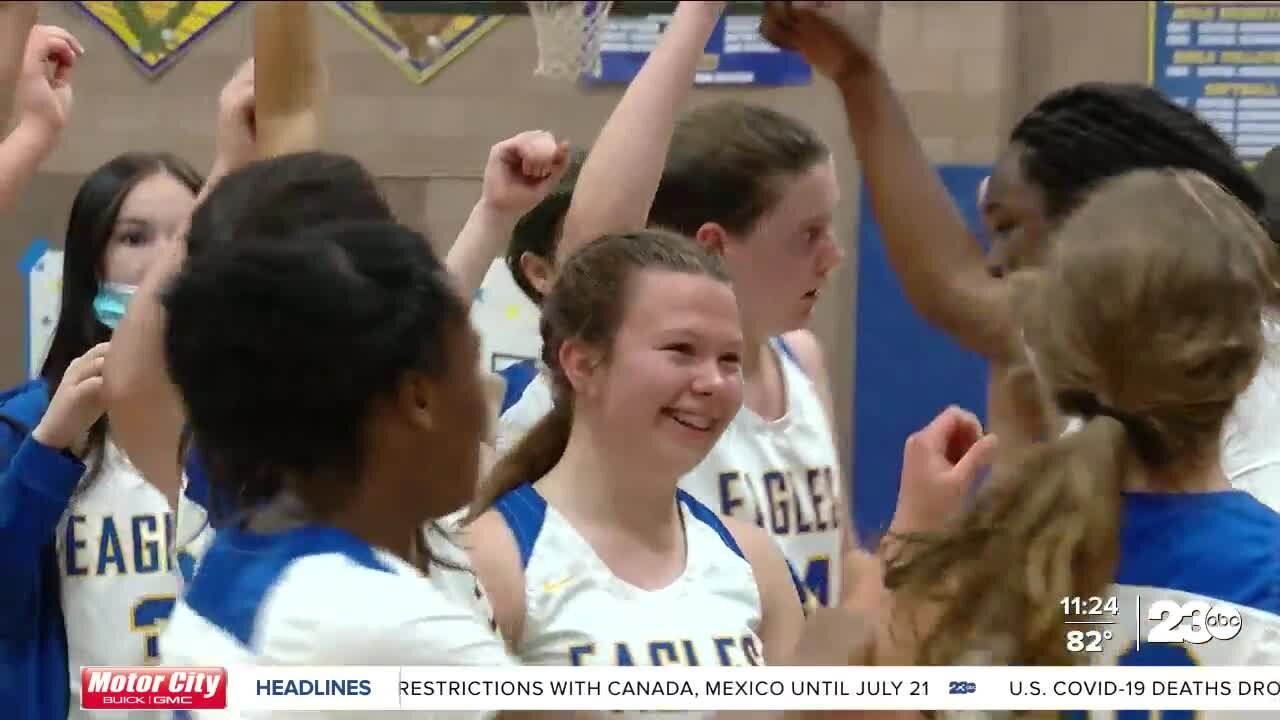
588, 302
1146, 323
89, 229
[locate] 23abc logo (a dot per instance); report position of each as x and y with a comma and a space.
1193, 623
960, 687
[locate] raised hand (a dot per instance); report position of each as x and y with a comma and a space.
521, 171
76, 405
237, 138
940, 463
44, 90
837, 38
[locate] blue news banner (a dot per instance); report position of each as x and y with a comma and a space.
1222, 60
736, 54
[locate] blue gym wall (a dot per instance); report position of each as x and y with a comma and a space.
906, 371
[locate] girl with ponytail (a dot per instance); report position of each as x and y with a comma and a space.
1144, 326
581, 524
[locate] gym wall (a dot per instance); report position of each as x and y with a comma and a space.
966, 69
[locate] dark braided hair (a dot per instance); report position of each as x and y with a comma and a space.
1081, 135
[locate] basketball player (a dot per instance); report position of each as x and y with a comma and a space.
88, 540
1134, 502
314, 188
340, 465
521, 171
758, 189
582, 523
531, 259
1068, 144
84, 541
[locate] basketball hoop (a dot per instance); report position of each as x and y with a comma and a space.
569, 37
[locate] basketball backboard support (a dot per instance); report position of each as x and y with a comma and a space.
621, 7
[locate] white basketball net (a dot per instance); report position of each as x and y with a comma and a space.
569, 37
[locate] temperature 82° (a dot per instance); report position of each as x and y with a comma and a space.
1089, 641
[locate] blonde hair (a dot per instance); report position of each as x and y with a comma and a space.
1146, 323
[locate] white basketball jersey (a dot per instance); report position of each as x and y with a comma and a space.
1181, 556
119, 579
194, 532
452, 574
515, 421
783, 475
577, 612
316, 595
1250, 445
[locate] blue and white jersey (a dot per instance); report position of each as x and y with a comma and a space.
783, 474
1181, 556
88, 565
526, 400
317, 595
119, 576
577, 612
194, 528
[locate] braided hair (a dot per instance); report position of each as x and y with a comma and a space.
1081, 135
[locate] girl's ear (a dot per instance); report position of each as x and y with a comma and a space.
581, 364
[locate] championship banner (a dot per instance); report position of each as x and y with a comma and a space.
156, 33
735, 54
1221, 60
420, 44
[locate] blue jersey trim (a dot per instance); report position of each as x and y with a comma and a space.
1222, 545
241, 567
787, 352
709, 518
525, 511
518, 376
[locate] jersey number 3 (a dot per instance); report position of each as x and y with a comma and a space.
148, 617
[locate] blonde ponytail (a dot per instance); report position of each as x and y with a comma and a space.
1043, 528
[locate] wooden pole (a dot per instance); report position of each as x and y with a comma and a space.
288, 78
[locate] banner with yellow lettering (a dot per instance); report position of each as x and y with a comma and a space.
1221, 60
156, 33
420, 44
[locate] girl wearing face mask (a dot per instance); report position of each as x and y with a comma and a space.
85, 540
581, 524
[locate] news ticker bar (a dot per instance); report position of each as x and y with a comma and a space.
683, 688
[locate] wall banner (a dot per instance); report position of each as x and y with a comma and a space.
420, 44
156, 33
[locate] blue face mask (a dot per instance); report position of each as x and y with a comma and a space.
111, 302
